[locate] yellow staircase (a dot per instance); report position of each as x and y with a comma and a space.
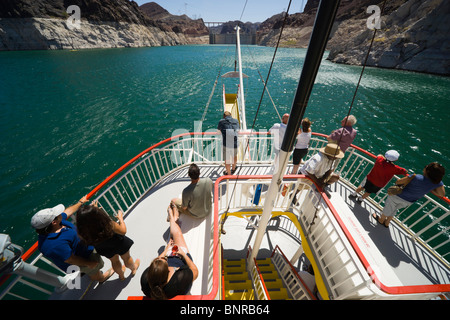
272, 280
238, 285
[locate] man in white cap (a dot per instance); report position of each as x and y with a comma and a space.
59, 241
320, 167
382, 172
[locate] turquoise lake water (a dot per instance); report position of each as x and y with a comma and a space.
70, 118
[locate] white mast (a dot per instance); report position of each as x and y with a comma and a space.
325, 16
241, 82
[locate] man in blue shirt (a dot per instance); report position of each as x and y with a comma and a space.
229, 127
59, 242
419, 186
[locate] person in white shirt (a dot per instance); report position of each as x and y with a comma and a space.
278, 130
301, 148
320, 167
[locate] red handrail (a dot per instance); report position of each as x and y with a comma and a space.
261, 278
116, 173
33, 248
447, 200
295, 271
390, 290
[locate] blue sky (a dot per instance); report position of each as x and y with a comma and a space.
226, 10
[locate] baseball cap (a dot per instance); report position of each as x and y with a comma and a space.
392, 155
44, 217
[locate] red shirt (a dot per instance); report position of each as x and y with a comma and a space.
383, 171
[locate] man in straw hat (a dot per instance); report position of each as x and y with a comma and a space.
320, 167
59, 241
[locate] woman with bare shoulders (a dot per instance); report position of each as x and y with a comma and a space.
173, 271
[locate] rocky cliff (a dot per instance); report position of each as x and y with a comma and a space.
194, 30
45, 24
413, 35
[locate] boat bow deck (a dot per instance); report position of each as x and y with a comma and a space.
390, 261
396, 259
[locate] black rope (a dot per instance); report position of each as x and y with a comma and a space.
271, 64
360, 76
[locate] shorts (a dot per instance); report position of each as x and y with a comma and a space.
178, 203
370, 187
229, 154
298, 155
117, 244
393, 204
92, 271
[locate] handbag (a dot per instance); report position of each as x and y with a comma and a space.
398, 188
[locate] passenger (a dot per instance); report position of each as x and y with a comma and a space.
420, 185
278, 130
301, 148
320, 167
96, 228
173, 271
382, 172
59, 242
229, 126
196, 199
345, 135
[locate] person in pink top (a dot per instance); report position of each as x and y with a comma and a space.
383, 171
345, 135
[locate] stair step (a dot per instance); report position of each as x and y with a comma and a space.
269, 274
239, 295
238, 285
264, 268
230, 276
234, 269
273, 283
234, 266
278, 294
234, 262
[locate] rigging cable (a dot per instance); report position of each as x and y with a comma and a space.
214, 88
360, 76
271, 64
262, 80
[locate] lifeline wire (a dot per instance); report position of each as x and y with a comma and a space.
360, 76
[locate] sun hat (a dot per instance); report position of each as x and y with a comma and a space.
392, 155
333, 150
44, 217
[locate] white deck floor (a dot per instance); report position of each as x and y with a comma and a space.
399, 260
404, 261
